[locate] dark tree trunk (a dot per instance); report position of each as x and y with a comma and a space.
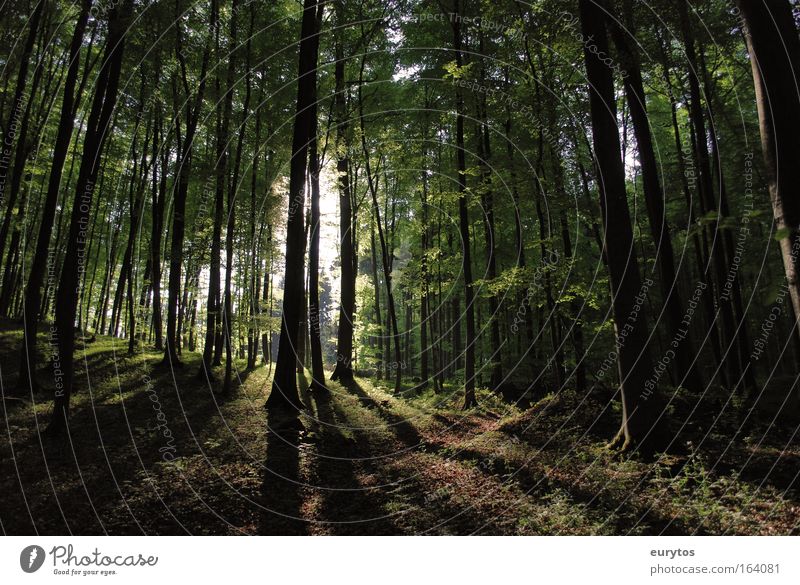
33, 292
463, 217
212, 349
774, 49
179, 201
98, 126
317, 368
302, 333
685, 369
284, 394
639, 410
14, 130
159, 196
344, 346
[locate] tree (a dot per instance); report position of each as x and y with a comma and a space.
317, 369
463, 222
184, 169
774, 49
98, 127
33, 291
343, 371
639, 410
284, 395
687, 373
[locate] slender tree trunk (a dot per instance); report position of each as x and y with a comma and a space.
160, 151
98, 126
179, 201
344, 346
14, 129
284, 394
686, 371
212, 350
377, 298
317, 368
266, 339
463, 215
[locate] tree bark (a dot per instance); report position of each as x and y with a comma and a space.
685, 369
463, 217
343, 370
639, 410
284, 394
33, 292
184, 163
98, 126
772, 41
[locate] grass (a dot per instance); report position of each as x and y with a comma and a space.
364, 462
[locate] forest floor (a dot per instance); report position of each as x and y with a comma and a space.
154, 451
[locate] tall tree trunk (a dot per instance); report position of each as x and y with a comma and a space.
184, 163
302, 333
317, 368
161, 152
211, 353
98, 126
284, 394
774, 49
14, 129
343, 370
463, 217
639, 410
686, 371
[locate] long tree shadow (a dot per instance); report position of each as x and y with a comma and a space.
347, 505
281, 486
536, 483
406, 432
417, 506
119, 438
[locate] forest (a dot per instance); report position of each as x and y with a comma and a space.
400, 267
